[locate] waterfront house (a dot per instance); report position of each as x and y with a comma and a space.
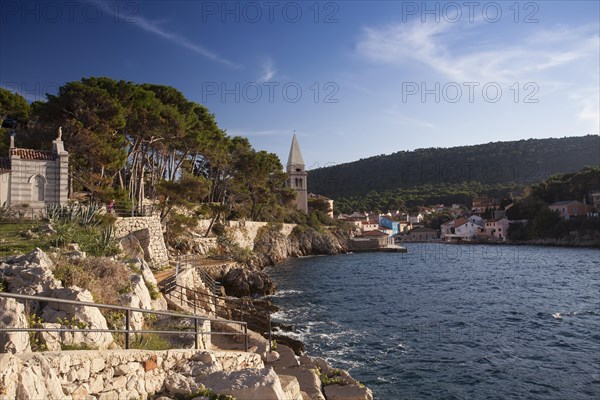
570, 208
371, 241
390, 223
423, 234
462, 229
497, 228
404, 226
476, 219
447, 228
367, 226
415, 219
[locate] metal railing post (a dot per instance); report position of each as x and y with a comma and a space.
195, 332
270, 335
127, 333
246, 338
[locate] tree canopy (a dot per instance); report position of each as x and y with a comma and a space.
133, 142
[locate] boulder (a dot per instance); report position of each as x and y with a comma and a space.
91, 316
139, 297
10, 370
38, 380
247, 384
12, 315
296, 345
74, 252
160, 303
290, 387
37, 257
31, 274
179, 384
52, 340
286, 358
240, 282
131, 246
348, 392
307, 379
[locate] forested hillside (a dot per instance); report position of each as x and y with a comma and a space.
492, 166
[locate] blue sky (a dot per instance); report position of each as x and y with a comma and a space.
352, 78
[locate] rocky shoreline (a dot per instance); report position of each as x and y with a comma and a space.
109, 372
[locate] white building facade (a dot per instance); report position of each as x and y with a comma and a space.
35, 178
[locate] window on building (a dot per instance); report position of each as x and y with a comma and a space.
38, 186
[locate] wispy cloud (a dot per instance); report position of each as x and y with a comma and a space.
404, 120
588, 101
156, 29
268, 70
435, 45
251, 133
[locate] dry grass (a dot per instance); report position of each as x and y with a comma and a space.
105, 278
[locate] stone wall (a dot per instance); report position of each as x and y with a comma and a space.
148, 231
112, 374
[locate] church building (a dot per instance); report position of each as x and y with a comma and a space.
36, 178
297, 176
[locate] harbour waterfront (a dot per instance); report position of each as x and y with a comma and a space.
452, 321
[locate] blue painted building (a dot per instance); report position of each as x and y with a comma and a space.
389, 223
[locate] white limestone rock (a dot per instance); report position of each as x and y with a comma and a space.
52, 340
348, 392
159, 303
247, 384
38, 380
74, 252
31, 274
290, 387
12, 315
179, 384
309, 381
10, 370
139, 297
91, 316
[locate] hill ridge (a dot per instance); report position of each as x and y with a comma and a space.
521, 161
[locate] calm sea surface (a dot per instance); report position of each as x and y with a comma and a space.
452, 321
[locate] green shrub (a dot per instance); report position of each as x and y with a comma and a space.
205, 392
77, 346
3, 285
150, 341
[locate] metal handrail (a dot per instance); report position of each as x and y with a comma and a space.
170, 286
208, 280
128, 310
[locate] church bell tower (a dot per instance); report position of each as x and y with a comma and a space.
297, 176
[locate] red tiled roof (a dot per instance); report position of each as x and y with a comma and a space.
459, 221
29, 154
4, 165
563, 203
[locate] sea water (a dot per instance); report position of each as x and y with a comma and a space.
452, 321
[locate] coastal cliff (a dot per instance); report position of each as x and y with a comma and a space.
268, 245
272, 246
